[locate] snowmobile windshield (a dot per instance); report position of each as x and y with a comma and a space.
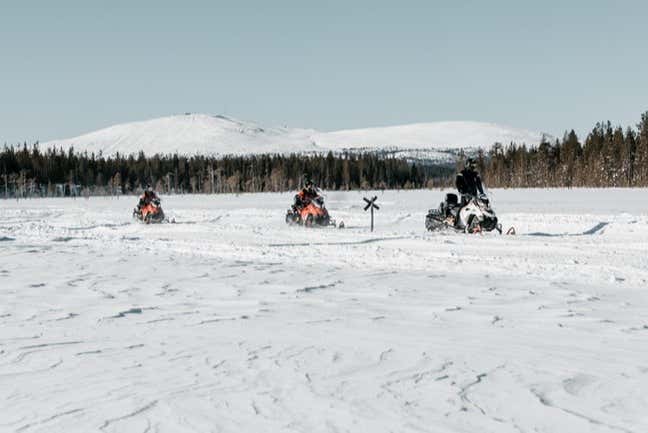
485, 188
318, 201
488, 194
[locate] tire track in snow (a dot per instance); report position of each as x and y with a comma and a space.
134, 413
48, 419
589, 232
361, 242
546, 402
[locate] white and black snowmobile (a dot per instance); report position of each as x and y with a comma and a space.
472, 215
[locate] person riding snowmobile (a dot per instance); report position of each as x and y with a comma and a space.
473, 214
148, 208
308, 208
147, 197
469, 182
306, 195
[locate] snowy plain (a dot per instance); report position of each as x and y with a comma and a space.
231, 321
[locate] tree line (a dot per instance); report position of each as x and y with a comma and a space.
609, 157
27, 171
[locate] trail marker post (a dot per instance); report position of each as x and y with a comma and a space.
371, 204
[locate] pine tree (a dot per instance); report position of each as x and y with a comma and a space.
641, 159
628, 157
571, 155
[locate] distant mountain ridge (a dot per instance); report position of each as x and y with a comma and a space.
203, 134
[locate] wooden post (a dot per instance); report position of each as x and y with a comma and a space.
371, 204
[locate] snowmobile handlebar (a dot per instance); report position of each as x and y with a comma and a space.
476, 197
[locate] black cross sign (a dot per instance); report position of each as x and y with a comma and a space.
371, 204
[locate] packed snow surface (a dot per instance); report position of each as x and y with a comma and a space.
231, 321
203, 134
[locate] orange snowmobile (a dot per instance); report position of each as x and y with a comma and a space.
149, 212
309, 211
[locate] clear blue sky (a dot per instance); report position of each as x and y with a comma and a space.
69, 67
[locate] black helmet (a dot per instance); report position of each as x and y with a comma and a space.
471, 163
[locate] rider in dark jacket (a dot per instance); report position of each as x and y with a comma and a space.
307, 193
468, 181
147, 197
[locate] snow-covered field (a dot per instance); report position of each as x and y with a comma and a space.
231, 321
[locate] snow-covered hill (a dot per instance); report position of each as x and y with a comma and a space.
191, 134
219, 135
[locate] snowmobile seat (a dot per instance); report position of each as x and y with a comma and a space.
451, 205
451, 199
